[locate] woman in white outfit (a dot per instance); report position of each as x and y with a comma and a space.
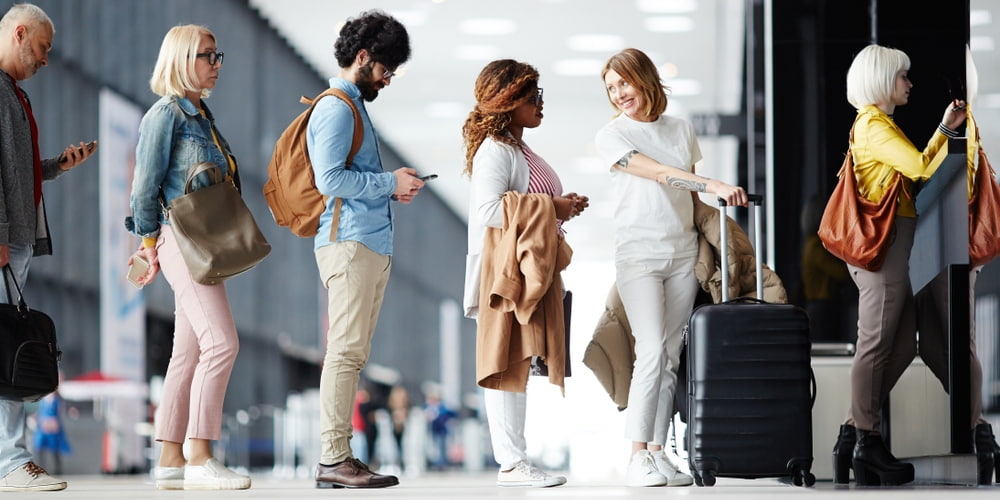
652, 157
508, 100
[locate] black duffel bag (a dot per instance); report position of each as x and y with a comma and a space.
29, 356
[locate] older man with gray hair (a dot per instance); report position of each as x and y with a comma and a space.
25, 41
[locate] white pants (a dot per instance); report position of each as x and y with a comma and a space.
658, 296
505, 413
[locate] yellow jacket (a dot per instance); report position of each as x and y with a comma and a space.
881, 150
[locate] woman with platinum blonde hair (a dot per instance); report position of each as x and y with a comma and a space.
878, 82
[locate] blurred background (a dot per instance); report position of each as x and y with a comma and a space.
762, 81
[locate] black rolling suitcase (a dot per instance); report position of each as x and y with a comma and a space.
749, 385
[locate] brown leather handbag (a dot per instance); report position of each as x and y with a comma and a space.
854, 229
984, 221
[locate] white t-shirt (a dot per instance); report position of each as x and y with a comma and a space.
652, 220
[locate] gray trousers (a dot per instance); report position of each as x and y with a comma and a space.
887, 328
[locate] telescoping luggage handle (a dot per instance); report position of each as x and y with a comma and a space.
756, 199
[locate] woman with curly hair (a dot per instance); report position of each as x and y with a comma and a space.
651, 157
508, 101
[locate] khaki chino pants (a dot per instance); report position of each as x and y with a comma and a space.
355, 278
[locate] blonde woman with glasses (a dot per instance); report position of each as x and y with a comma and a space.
176, 133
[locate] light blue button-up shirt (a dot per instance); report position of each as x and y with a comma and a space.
366, 189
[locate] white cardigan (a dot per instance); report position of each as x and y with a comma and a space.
496, 169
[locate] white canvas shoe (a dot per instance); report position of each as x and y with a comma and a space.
665, 465
168, 478
31, 477
213, 476
642, 471
526, 475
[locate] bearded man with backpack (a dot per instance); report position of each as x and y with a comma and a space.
353, 244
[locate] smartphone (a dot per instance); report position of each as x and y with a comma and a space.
429, 177
138, 268
90, 147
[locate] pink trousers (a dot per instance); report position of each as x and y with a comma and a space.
205, 347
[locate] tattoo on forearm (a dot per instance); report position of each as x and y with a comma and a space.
686, 184
623, 162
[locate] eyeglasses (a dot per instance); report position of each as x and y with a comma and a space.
537, 99
213, 57
387, 74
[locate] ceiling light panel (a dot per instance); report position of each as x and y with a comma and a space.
668, 24
666, 6
596, 43
487, 26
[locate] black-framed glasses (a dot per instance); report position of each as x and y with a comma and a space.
213, 57
537, 99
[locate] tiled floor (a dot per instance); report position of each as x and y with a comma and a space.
443, 486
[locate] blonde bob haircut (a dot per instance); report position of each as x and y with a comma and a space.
174, 73
639, 71
872, 76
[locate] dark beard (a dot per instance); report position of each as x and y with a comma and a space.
366, 84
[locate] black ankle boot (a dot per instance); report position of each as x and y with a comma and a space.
843, 452
874, 465
988, 453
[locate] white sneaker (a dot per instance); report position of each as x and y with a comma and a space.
526, 475
168, 478
666, 466
213, 476
642, 471
31, 477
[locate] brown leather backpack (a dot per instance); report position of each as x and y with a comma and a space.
290, 190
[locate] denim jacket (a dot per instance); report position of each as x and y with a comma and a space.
173, 136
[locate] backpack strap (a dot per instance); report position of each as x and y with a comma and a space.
359, 136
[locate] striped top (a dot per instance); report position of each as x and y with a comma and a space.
542, 178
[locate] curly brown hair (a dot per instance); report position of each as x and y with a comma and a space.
501, 86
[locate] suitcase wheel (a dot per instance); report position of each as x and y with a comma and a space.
708, 478
800, 477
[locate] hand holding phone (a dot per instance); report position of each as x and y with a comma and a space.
90, 148
138, 269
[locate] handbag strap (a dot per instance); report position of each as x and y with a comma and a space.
197, 169
8, 277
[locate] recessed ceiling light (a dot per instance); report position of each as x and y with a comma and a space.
578, 67
981, 43
668, 24
487, 26
980, 17
596, 43
477, 52
666, 6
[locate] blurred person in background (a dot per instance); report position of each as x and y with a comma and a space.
50, 436
26, 35
176, 133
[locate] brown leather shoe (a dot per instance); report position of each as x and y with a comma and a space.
351, 473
